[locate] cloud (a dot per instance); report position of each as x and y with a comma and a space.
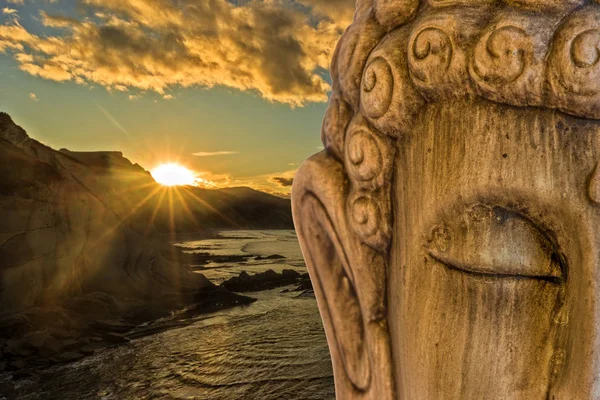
268, 183
8, 11
285, 182
274, 48
214, 153
168, 97
16, 2
33, 97
284, 179
340, 12
57, 21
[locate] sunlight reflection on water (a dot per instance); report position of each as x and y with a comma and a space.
274, 348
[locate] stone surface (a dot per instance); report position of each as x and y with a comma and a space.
450, 226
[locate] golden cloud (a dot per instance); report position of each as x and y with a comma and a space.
272, 47
214, 153
277, 183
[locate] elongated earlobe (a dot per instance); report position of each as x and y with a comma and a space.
341, 268
337, 295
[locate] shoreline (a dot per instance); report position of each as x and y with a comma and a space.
39, 346
204, 356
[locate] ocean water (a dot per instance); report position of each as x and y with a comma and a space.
248, 243
274, 348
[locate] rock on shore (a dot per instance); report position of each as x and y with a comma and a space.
268, 280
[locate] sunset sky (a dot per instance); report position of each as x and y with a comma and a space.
234, 90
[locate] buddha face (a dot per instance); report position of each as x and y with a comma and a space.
494, 268
451, 225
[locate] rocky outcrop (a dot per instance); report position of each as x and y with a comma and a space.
263, 281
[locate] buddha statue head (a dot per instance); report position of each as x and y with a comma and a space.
451, 226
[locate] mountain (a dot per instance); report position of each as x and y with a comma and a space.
193, 209
182, 209
82, 237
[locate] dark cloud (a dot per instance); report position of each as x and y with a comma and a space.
285, 182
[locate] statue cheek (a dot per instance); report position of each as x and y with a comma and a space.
466, 336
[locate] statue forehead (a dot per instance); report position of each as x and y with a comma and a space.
463, 149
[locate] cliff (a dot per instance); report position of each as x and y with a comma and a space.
64, 231
82, 222
83, 250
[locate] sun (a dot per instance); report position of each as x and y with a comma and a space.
172, 174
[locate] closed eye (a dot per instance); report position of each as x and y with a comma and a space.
493, 242
474, 270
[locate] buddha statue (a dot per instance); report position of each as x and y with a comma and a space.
451, 225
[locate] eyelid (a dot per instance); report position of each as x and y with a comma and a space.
496, 242
552, 278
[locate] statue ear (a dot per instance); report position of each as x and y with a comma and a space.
317, 208
329, 248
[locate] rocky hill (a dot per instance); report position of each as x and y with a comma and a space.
180, 210
82, 238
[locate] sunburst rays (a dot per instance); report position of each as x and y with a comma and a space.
173, 174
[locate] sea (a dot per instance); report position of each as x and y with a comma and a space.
274, 348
